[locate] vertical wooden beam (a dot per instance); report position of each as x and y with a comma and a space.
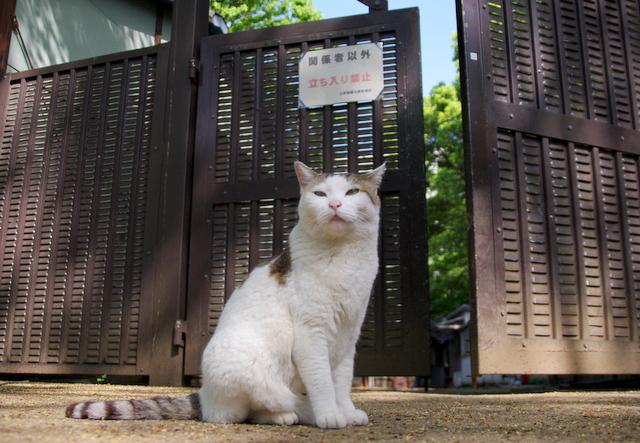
189, 25
478, 178
413, 201
304, 120
7, 11
157, 38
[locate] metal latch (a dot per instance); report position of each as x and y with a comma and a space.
194, 68
179, 333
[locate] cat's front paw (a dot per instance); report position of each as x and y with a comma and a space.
285, 418
357, 417
274, 418
331, 420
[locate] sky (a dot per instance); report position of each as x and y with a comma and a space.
437, 25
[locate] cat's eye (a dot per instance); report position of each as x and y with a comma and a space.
320, 193
353, 191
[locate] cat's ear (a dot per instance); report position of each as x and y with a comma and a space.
305, 174
375, 175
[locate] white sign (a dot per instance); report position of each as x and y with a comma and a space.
344, 74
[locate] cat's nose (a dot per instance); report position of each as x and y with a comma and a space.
335, 204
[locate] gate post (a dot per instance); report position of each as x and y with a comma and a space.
189, 25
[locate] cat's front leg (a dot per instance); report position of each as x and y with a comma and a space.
343, 379
311, 357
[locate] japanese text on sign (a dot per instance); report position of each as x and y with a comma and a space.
344, 74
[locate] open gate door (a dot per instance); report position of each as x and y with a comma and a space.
250, 130
552, 113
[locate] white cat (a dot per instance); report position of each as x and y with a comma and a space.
284, 347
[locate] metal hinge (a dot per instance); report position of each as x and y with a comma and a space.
179, 333
194, 69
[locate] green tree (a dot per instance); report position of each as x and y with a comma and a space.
253, 14
448, 225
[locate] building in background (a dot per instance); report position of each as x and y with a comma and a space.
450, 349
49, 32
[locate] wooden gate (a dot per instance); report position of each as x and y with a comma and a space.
78, 196
250, 130
95, 195
552, 114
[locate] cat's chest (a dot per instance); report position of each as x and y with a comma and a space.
342, 271
337, 285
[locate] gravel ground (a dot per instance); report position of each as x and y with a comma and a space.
35, 412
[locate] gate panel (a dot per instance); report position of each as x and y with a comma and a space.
552, 143
250, 131
75, 159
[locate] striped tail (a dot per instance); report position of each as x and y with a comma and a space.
157, 408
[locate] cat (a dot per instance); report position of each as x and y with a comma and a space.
283, 351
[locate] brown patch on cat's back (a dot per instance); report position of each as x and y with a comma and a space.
280, 267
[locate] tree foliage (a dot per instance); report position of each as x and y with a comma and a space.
253, 14
448, 225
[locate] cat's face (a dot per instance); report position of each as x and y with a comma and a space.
338, 205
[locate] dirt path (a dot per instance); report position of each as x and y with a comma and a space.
35, 412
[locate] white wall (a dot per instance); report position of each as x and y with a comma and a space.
59, 31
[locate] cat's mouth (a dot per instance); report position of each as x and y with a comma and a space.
337, 219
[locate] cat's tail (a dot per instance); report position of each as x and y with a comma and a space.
157, 408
